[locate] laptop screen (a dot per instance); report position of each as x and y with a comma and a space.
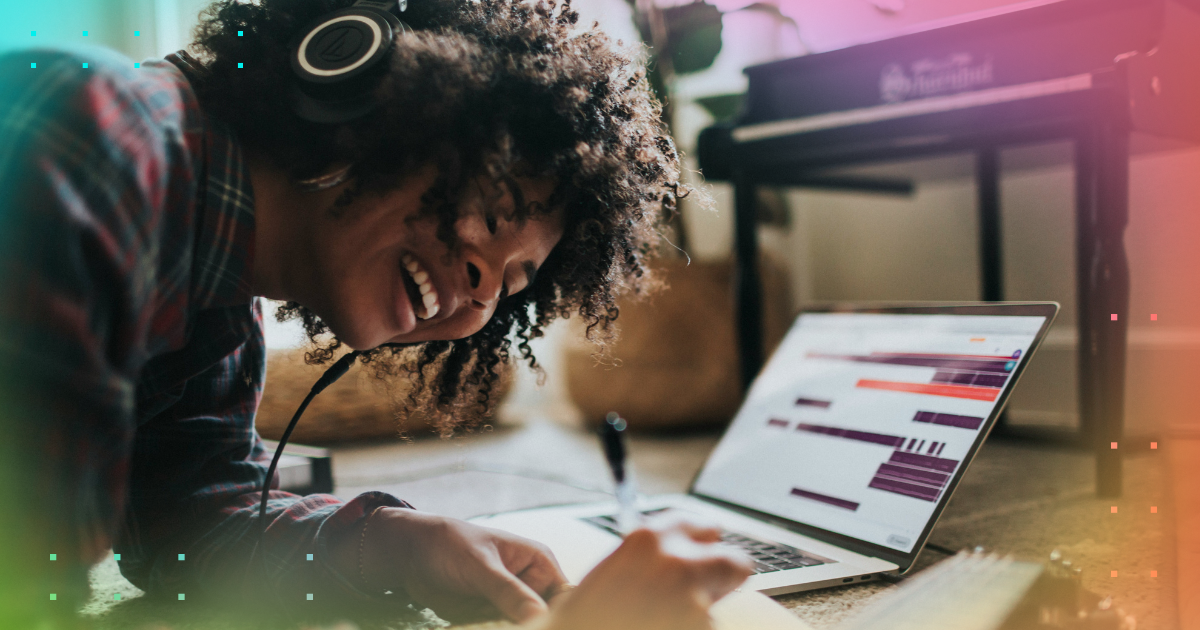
860, 421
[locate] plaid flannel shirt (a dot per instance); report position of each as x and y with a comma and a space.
130, 343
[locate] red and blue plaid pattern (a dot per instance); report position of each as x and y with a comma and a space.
131, 348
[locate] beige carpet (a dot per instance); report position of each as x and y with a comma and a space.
1019, 499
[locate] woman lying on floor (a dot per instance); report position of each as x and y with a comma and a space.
491, 169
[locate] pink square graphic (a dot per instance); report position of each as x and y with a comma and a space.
1153, 317
1154, 509
1113, 510
1154, 574
1114, 445
1114, 574
1114, 317
1154, 446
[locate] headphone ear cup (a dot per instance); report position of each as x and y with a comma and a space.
337, 61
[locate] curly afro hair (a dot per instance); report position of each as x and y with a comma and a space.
493, 88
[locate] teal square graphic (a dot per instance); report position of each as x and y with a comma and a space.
310, 597
34, 34
117, 557
181, 557
85, 33
85, 64
181, 597
239, 65
53, 557
310, 556
53, 596
34, 65
116, 597
137, 33
239, 33
137, 65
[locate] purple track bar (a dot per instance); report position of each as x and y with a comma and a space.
949, 419
978, 379
812, 402
924, 461
775, 422
907, 489
914, 474
849, 434
842, 503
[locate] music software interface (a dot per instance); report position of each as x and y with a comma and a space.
860, 420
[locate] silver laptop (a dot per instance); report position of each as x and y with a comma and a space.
846, 449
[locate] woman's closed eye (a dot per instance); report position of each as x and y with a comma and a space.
492, 222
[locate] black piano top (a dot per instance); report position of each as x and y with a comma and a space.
1034, 75
1047, 42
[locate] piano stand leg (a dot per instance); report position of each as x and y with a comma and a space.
991, 262
748, 287
1102, 212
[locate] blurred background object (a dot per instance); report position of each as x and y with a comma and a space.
676, 357
356, 408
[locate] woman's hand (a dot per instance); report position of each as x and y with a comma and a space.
665, 576
461, 571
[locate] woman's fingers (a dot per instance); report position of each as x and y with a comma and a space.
665, 575
461, 570
721, 568
513, 597
532, 562
544, 578
727, 569
556, 595
695, 526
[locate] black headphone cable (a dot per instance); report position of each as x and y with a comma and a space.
331, 375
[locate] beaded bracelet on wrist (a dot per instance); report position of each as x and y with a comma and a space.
361, 544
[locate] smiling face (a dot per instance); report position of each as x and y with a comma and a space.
379, 274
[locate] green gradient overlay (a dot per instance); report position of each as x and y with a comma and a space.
32, 579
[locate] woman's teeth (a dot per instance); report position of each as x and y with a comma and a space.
429, 298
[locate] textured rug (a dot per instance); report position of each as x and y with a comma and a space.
1015, 499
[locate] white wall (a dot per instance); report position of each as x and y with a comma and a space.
845, 246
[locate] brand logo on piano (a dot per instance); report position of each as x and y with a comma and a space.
932, 77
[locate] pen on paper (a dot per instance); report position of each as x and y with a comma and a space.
612, 435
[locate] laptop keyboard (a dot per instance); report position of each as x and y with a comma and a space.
768, 557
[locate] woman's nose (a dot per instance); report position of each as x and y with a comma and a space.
484, 282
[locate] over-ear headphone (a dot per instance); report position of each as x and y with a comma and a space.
339, 57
